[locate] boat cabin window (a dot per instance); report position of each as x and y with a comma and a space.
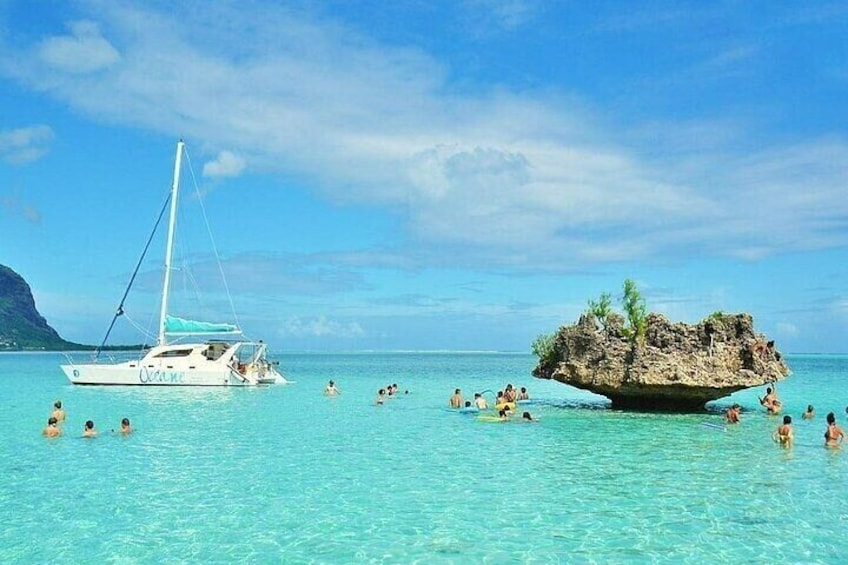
175, 353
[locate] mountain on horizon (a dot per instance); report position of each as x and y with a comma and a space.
21, 326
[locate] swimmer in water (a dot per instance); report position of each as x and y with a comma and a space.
381, 397
833, 436
331, 389
732, 414
770, 401
810, 413
784, 434
52, 429
58, 413
480, 402
526, 417
456, 400
126, 429
522, 394
88, 430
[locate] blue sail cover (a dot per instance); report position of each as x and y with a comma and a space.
174, 325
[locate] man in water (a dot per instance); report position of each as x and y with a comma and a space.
126, 429
381, 397
732, 414
88, 430
52, 429
480, 402
58, 413
456, 400
784, 434
522, 395
770, 401
331, 390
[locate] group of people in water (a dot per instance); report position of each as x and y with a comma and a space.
57, 418
505, 400
505, 403
389, 391
834, 435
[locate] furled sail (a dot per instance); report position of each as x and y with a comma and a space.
174, 325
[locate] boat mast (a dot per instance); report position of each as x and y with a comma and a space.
169, 247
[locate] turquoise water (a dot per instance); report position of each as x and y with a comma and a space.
284, 474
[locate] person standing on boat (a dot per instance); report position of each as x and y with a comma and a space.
331, 389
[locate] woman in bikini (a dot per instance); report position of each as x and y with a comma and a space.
833, 436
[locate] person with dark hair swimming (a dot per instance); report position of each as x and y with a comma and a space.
833, 436
58, 413
88, 430
52, 429
126, 429
732, 414
456, 400
770, 401
810, 413
784, 434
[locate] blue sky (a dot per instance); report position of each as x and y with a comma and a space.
432, 175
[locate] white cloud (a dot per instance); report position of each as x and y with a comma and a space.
227, 164
513, 178
491, 15
320, 327
24, 145
786, 329
84, 51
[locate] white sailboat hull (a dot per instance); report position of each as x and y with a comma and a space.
201, 364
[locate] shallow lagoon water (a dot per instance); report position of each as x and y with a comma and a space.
284, 474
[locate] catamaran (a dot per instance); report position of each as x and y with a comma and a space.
221, 361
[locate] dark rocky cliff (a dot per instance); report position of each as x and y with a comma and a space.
21, 326
677, 367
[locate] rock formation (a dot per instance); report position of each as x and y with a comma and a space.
21, 326
675, 367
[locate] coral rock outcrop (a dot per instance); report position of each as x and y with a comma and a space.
674, 367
